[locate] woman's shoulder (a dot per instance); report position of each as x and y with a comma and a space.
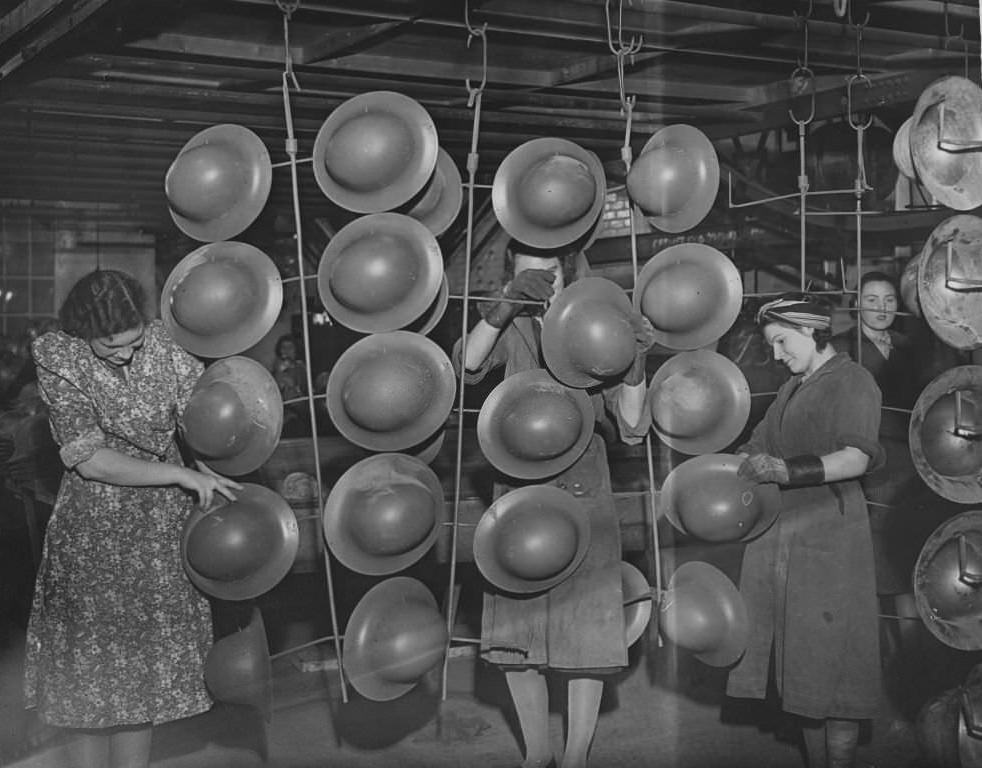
158, 336
57, 351
853, 373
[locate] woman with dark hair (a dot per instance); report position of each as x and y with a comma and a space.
809, 580
118, 635
885, 352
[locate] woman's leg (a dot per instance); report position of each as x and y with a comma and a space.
841, 740
813, 732
130, 747
584, 707
530, 694
89, 749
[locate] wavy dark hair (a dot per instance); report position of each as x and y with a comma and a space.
876, 276
103, 303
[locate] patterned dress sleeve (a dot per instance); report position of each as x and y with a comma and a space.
187, 369
71, 412
856, 414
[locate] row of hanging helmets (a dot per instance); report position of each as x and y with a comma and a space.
939, 149
377, 155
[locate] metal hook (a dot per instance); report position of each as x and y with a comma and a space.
805, 17
803, 22
288, 6
948, 37
853, 79
805, 77
620, 53
852, 24
473, 31
480, 32
621, 50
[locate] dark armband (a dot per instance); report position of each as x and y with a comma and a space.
804, 470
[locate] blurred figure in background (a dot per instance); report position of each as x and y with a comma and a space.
290, 374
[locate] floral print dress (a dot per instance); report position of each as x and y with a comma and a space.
118, 634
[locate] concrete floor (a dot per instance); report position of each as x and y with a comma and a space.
666, 709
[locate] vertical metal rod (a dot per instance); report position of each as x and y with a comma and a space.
3, 266
802, 199
291, 149
472, 160
626, 156
860, 187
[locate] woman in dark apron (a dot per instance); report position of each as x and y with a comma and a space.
576, 628
809, 581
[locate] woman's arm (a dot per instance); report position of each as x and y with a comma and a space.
843, 464
630, 403
115, 468
480, 342
529, 285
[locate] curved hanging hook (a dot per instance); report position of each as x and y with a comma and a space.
853, 24
802, 77
622, 49
473, 32
287, 8
802, 21
948, 37
471, 29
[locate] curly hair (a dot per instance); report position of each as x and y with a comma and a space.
103, 303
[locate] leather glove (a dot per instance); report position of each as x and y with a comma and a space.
644, 338
527, 285
762, 468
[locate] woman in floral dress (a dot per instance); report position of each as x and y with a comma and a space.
118, 635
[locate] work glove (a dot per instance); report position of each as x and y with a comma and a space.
527, 285
762, 468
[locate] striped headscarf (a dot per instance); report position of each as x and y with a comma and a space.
801, 311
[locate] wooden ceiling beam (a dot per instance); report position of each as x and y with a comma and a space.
36, 25
186, 105
26, 15
334, 44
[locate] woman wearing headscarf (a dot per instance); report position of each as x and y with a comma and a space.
809, 581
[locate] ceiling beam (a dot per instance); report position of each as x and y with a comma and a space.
59, 20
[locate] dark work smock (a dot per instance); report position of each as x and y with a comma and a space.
903, 511
579, 624
809, 580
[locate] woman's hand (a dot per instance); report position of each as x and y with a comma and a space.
205, 483
763, 468
527, 285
